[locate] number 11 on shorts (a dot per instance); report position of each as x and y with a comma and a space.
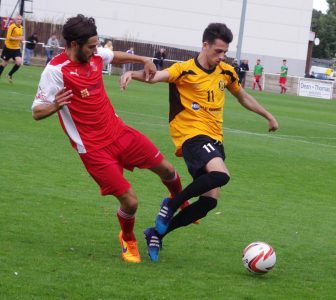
208, 147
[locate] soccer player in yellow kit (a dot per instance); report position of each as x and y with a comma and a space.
197, 98
12, 47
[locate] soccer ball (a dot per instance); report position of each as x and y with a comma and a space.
259, 257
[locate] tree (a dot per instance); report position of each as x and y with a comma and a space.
324, 26
332, 7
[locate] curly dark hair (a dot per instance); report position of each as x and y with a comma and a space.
217, 31
79, 29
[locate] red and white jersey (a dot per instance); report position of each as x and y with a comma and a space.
89, 120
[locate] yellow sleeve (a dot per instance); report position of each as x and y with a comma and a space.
175, 71
233, 84
10, 31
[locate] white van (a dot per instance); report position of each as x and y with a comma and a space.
322, 73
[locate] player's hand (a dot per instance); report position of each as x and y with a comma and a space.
272, 124
125, 79
149, 70
62, 98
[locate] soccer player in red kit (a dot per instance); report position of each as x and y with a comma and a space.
72, 85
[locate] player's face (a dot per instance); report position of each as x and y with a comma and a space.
86, 51
215, 53
18, 20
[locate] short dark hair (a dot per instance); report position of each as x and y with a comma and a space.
217, 31
79, 29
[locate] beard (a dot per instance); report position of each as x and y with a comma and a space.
81, 56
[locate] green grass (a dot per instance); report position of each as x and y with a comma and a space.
58, 236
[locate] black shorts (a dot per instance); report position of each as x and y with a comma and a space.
198, 151
7, 54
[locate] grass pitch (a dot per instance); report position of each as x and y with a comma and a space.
58, 236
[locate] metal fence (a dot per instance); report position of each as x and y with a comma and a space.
45, 30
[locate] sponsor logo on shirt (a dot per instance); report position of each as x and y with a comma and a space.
212, 110
85, 93
94, 67
221, 85
74, 73
195, 106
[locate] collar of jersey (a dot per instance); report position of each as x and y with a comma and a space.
208, 71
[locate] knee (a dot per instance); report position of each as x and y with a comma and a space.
165, 170
220, 178
128, 202
130, 207
169, 174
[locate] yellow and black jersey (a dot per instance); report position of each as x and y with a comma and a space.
197, 98
13, 31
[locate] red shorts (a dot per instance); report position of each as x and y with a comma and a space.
257, 78
132, 149
282, 80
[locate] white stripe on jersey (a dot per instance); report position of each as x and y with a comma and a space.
106, 54
50, 83
71, 129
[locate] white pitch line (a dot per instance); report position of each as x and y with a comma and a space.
275, 136
311, 122
308, 137
268, 135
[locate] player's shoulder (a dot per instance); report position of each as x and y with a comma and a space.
59, 59
54, 67
104, 54
187, 65
11, 26
228, 71
226, 67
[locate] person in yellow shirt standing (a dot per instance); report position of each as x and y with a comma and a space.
12, 47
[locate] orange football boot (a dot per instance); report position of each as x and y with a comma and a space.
129, 250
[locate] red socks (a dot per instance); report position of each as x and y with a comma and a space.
174, 185
126, 222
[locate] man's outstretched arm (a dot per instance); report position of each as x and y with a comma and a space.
160, 76
124, 58
252, 104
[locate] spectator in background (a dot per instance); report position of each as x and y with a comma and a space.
236, 66
329, 72
283, 77
12, 48
108, 67
130, 51
30, 46
128, 67
243, 68
257, 73
109, 45
52, 47
159, 57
